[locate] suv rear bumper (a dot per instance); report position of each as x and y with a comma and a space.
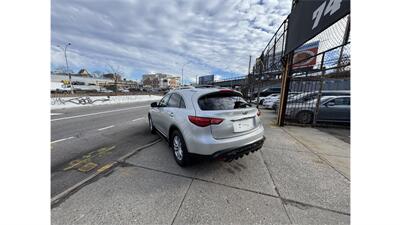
235, 153
207, 145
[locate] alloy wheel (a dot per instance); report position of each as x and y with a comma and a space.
177, 145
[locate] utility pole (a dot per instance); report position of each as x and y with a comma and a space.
182, 72
249, 65
261, 66
66, 62
249, 81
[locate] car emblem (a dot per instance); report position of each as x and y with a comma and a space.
244, 113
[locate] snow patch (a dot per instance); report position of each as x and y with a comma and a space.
70, 102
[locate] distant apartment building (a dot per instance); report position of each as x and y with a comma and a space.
160, 80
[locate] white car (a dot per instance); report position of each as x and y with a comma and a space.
212, 122
270, 98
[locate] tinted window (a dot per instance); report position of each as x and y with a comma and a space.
182, 103
341, 101
222, 101
310, 97
174, 101
275, 89
334, 93
164, 100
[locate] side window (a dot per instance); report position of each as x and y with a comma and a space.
174, 101
309, 97
341, 101
164, 100
182, 103
276, 89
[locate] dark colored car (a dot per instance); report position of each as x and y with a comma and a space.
307, 96
268, 91
331, 109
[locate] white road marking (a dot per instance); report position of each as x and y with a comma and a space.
137, 119
97, 113
56, 114
104, 128
61, 140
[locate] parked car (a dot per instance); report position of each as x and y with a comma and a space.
262, 99
269, 101
331, 109
268, 91
212, 122
124, 91
106, 91
58, 87
307, 96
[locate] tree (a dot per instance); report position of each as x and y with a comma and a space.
97, 74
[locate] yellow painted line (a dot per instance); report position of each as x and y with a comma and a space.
105, 167
87, 167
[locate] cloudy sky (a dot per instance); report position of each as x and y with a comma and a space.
139, 36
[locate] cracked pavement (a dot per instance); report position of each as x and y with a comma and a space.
289, 181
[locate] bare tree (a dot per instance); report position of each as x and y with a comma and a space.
97, 74
117, 72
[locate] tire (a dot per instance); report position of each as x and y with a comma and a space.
261, 101
151, 126
304, 117
178, 145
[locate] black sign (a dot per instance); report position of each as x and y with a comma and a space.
310, 17
209, 79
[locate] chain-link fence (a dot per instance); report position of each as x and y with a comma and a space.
318, 78
322, 78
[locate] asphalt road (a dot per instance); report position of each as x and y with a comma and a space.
94, 136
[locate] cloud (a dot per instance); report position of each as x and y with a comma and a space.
161, 36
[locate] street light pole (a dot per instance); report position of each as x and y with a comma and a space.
182, 71
66, 62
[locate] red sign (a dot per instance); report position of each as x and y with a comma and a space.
303, 56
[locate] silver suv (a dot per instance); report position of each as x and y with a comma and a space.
207, 121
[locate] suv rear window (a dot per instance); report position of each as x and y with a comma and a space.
222, 101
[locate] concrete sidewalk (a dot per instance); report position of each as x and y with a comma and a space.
300, 176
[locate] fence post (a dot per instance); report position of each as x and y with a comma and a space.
321, 83
285, 89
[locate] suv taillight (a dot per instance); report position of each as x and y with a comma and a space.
204, 121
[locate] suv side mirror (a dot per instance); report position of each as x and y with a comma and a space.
154, 104
330, 104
